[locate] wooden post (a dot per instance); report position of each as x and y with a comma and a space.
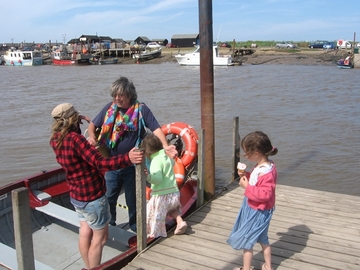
207, 95
353, 47
22, 228
200, 181
141, 207
236, 148
233, 48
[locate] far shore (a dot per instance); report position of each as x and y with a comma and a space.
268, 55
265, 55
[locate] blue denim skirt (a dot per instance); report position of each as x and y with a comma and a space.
251, 226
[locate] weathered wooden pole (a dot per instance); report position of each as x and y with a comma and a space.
23, 233
235, 148
207, 95
200, 185
353, 46
140, 207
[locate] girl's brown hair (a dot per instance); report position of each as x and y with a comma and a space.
151, 144
258, 141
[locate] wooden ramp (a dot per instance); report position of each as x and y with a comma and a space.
311, 230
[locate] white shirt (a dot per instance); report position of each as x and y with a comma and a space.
264, 168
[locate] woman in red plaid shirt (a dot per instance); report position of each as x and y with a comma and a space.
84, 167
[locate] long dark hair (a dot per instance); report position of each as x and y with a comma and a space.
64, 126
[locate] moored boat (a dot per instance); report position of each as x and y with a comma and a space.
344, 66
193, 58
54, 224
23, 58
108, 61
147, 55
75, 56
347, 63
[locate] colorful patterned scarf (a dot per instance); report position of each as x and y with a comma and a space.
116, 123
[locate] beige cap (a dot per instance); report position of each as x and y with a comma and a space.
64, 110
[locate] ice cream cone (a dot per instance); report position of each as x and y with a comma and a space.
241, 167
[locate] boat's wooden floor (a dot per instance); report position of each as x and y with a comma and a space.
310, 230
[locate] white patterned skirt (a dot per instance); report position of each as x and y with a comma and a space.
157, 210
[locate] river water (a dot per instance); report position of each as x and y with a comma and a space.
311, 114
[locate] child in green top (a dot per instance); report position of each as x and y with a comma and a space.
165, 196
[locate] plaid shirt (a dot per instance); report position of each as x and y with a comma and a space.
84, 166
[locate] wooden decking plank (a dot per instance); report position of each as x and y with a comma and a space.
303, 204
164, 261
310, 229
317, 225
187, 256
305, 215
299, 246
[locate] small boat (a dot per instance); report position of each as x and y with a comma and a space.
147, 55
193, 59
63, 57
344, 64
108, 61
23, 58
54, 224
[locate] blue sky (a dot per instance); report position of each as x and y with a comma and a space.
278, 20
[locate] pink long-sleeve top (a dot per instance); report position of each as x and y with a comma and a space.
262, 195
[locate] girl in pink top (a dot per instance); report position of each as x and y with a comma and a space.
253, 220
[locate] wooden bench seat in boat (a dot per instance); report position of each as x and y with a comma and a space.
9, 259
71, 217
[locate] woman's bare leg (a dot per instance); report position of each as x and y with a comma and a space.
85, 236
96, 246
91, 243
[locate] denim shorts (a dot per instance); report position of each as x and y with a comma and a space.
95, 213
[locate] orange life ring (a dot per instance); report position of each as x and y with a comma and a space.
188, 135
179, 171
340, 42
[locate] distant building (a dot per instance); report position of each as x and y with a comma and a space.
142, 40
89, 38
185, 40
161, 41
119, 43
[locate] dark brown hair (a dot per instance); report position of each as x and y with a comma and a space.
258, 141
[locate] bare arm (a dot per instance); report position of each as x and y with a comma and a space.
91, 132
169, 149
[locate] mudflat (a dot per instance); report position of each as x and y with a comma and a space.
266, 55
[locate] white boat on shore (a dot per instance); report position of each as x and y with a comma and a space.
147, 55
23, 58
193, 59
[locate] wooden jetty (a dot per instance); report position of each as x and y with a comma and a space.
312, 230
